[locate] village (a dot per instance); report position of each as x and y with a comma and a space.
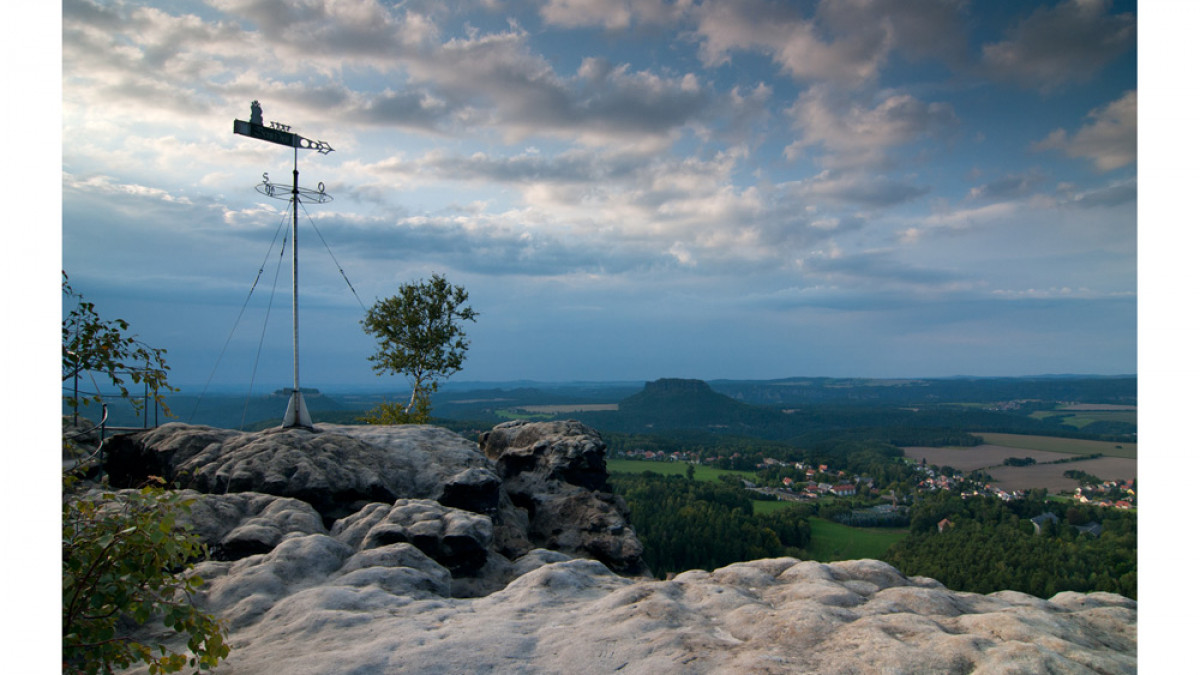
823, 481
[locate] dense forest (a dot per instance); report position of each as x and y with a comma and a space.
992, 546
687, 524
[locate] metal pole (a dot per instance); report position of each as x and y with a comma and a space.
295, 274
297, 412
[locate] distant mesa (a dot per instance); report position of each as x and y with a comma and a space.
671, 385
307, 391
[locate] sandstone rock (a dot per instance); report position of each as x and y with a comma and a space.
440, 464
238, 525
555, 472
337, 469
415, 583
384, 610
548, 498
457, 539
334, 473
566, 451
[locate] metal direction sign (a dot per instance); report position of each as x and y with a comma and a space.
281, 134
269, 134
276, 132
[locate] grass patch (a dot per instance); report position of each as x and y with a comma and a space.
832, 541
761, 507
1072, 446
705, 473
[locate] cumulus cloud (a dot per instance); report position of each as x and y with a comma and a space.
793, 41
298, 55
1066, 44
366, 29
612, 14
107, 185
686, 208
1108, 140
523, 96
854, 134
916, 28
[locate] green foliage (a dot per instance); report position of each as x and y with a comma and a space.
691, 524
92, 344
1019, 461
1083, 477
419, 334
126, 555
125, 561
992, 547
419, 411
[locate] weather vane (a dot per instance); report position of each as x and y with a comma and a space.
281, 134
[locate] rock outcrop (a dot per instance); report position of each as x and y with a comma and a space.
543, 487
452, 573
317, 605
556, 472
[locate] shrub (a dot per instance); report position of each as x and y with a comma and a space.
126, 558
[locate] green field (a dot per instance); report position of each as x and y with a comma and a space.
1083, 418
1073, 446
761, 507
707, 473
832, 541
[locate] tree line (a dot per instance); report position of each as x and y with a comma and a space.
686, 524
992, 546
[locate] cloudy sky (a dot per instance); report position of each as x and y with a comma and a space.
628, 189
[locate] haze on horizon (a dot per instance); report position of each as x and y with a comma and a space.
629, 189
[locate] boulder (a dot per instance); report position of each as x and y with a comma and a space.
241, 524
544, 485
458, 540
336, 469
556, 473
562, 451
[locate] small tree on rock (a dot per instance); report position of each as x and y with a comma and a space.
420, 335
92, 344
126, 555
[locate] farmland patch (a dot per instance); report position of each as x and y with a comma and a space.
990, 458
568, 408
1073, 446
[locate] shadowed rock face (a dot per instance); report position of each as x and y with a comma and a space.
414, 585
547, 498
556, 472
563, 451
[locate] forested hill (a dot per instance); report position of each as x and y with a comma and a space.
671, 404
1117, 390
